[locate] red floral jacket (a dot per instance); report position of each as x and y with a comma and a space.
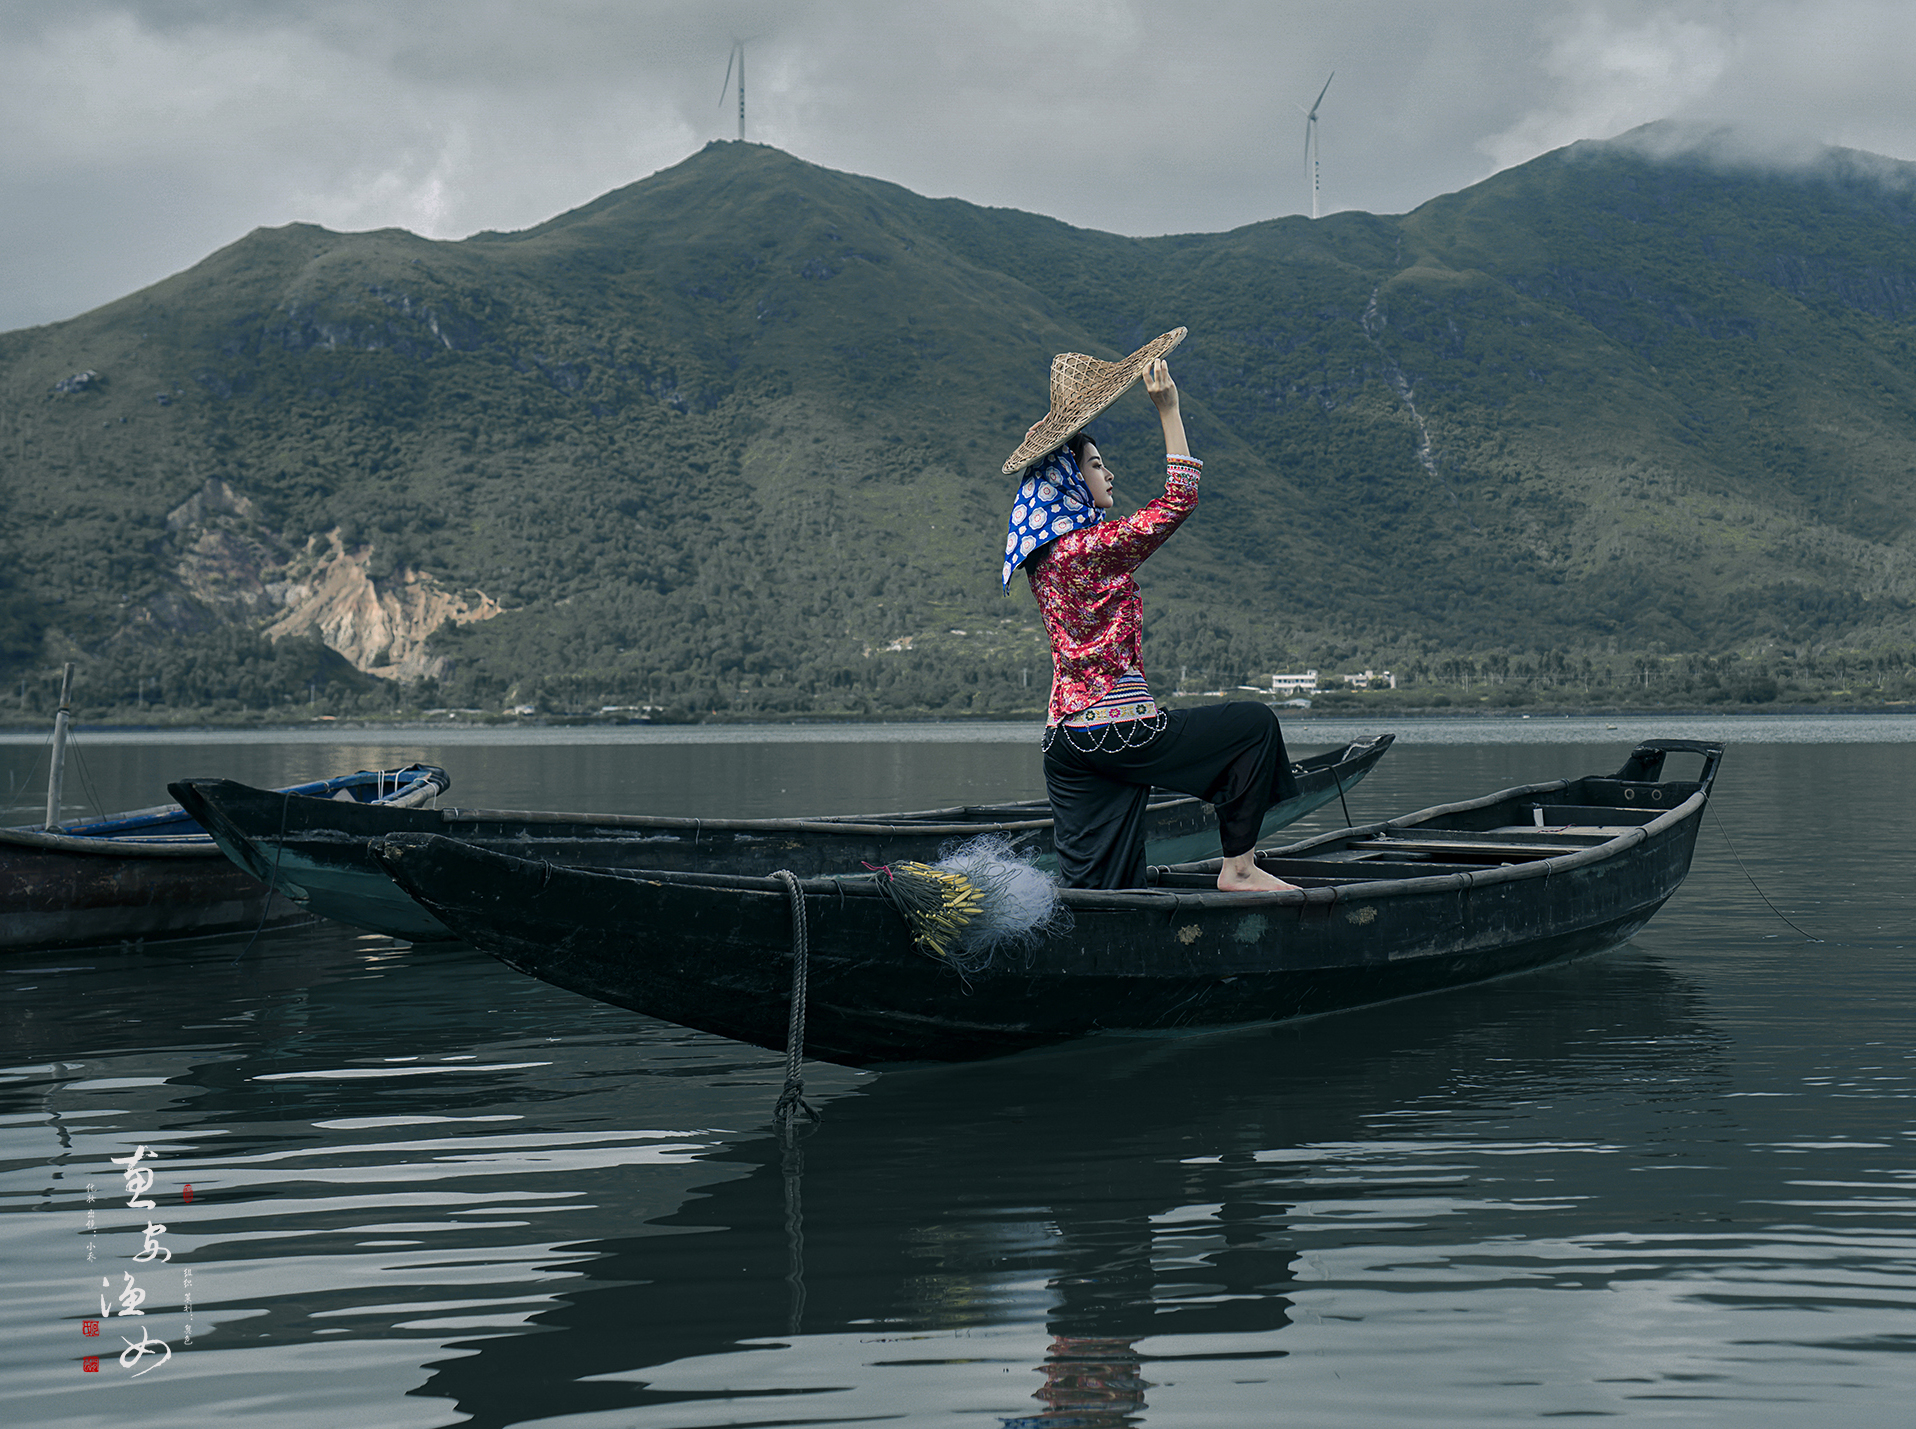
1090, 602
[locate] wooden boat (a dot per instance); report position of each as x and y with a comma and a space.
1452, 894
155, 873
318, 854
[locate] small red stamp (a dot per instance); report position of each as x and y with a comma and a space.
90, 1365
187, 1194
90, 1328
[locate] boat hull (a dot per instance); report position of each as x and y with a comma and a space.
319, 854
153, 873
64, 898
716, 953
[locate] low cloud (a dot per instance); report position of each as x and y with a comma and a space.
1610, 75
1779, 80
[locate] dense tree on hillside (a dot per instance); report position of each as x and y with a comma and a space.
727, 440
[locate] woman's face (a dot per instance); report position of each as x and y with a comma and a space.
1097, 476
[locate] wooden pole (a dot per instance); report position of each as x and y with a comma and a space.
56, 772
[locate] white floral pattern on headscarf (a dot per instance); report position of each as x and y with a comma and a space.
1052, 500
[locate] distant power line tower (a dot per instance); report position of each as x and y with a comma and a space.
737, 57
1311, 171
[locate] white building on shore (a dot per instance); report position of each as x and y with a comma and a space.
1372, 680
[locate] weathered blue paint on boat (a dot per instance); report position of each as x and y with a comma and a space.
155, 873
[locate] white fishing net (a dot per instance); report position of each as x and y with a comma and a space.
1019, 902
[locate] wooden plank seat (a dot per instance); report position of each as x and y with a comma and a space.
1208, 882
1593, 821
1593, 833
1601, 815
1478, 849
1362, 870
1311, 873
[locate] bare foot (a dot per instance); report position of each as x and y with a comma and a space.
1242, 875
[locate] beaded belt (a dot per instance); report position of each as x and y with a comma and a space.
1099, 715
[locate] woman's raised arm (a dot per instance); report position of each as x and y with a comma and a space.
1164, 396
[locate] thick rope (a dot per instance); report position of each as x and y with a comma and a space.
792, 1101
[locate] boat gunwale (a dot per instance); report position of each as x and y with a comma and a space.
202, 844
904, 822
191, 845
697, 825
1168, 900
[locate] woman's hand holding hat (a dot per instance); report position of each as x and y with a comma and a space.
1157, 382
1164, 396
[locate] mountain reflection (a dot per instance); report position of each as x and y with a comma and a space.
1115, 1194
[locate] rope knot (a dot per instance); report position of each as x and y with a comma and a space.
791, 1101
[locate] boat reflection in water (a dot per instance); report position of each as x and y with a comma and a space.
1147, 1205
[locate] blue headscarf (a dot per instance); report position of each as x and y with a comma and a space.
1052, 501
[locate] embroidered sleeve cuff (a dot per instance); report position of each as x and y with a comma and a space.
1182, 470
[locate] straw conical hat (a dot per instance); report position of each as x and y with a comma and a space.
1082, 387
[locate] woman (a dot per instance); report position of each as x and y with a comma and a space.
1107, 744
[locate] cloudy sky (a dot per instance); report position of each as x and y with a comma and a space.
136, 137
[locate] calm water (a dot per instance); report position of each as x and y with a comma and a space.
1676, 1183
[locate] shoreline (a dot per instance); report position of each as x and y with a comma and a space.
19, 731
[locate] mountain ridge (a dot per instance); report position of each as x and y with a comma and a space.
723, 437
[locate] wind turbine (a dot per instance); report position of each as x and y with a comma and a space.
1310, 138
737, 56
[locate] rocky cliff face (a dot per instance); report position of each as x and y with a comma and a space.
225, 559
381, 626
233, 568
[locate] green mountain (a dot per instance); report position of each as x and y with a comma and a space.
729, 439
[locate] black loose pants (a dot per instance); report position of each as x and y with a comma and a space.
1231, 756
